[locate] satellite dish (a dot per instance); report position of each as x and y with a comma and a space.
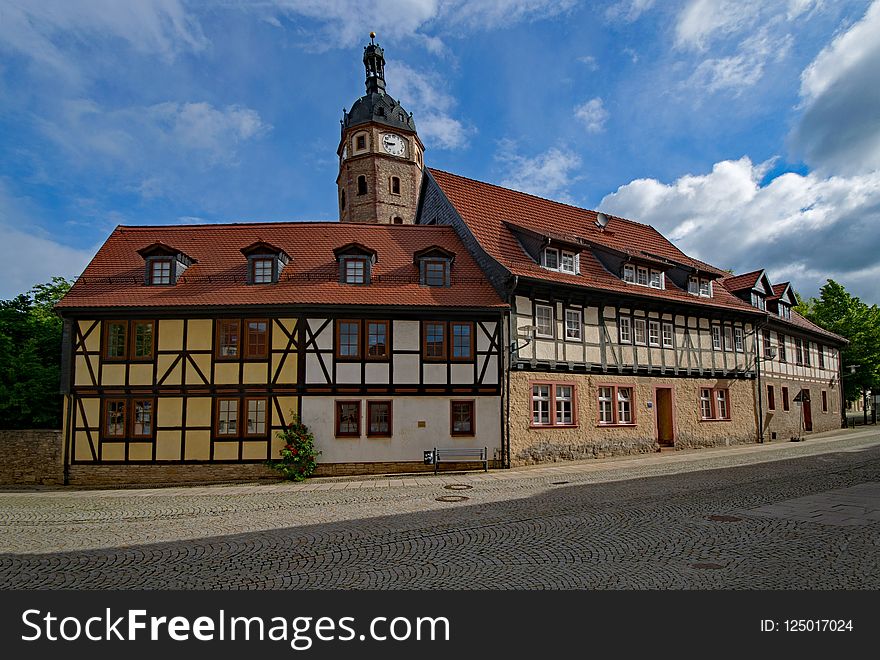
601, 220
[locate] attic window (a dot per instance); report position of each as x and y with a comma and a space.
160, 271
784, 311
644, 276
163, 264
265, 262
551, 258
698, 286
758, 301
435, 264
356, 270
559, 260
262, 270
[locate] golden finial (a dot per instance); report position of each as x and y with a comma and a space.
372, 36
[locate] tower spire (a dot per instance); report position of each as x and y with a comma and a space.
374, 63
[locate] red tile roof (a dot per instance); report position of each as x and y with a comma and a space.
805, 325
779, 289
115, 277
741, 282
488, 211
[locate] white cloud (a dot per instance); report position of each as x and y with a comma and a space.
590, 62
702, 20
738, 72
592, 114
628, 10
839, 131
801, 227
192, 133
548, 174
28, 253
424, 95
42, 30
349, 22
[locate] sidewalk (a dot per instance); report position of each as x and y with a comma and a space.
594, 470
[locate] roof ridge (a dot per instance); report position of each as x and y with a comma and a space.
264, 223
545, 199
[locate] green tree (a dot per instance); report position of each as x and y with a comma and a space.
844, 314
30, 357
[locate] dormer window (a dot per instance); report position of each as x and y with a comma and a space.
758, 301
355, 263
563, 261
160, 271
698, 286
263, 271
434, 265
163, 264
644, 276
265, 262
356, 270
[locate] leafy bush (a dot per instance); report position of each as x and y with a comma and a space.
298, 455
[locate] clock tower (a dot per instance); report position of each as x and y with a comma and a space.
380, 154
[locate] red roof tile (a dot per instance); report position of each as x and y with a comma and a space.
115, 277
489, 209
801, 323
741, 282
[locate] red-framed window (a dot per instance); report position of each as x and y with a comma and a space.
256, 339
143, 416
115, 340
348, 419
160, 271
379, 418
228, 345
348, 339
616, 405
226, 418
256, 421
114, 425
377, 340
462, 420
553, 404
714, 403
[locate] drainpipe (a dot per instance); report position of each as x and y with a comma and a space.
511, 301
760, 387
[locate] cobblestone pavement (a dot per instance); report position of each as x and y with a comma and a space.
730, 518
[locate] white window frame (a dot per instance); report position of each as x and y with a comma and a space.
642, 276
657, 280
640, 328
654, 333
563, 255
668, 332
538, 332
572, 315
738, 340
629, 273
624, 328
546, 261
605, 396
541, 404
727, 333
716, 337
705, 288
567, 406
616, 409
694, 286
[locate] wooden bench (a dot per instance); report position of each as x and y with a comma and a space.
461, 455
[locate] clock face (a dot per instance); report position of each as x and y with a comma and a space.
393, 144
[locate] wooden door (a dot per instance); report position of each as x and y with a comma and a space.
808, 412
665, 427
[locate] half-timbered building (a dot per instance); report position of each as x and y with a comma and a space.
187, 348
799, 390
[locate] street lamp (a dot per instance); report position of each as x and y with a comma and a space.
526, 335
770, 355
852, 372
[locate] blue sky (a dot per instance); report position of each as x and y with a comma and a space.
748, 132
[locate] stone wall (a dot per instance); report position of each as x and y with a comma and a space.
203, 473
787, 424
589, 439
31, 457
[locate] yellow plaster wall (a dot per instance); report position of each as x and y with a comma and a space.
199, 334
226, 373
170, 335
93, 341
113, 451
225, 451
140, 451
140, 374
198, 446
167, 445
198, 412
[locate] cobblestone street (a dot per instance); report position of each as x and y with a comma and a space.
776, 516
